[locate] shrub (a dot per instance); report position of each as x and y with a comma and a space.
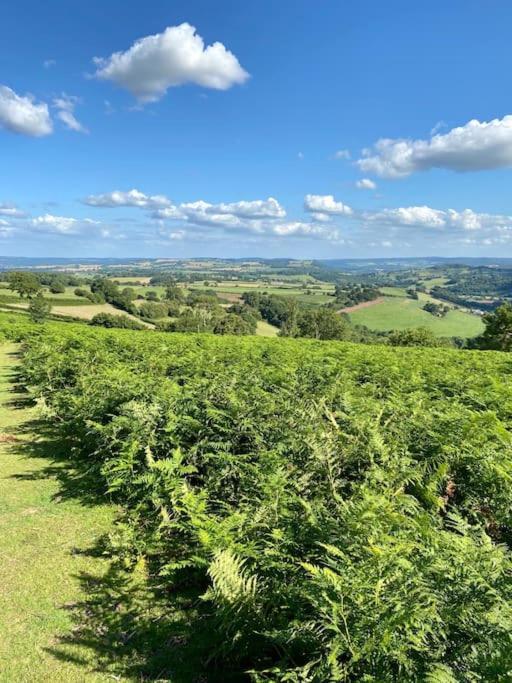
329, 511
121, 321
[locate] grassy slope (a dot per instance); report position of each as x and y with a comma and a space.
264, 329
41, 528
401, 313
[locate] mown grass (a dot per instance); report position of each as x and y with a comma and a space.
400, 313
49, 519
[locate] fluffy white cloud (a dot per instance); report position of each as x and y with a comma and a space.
132, 198
412, 216
174, 57
258, 217
23, 115
65, 105
473, 147
324, 206
63, 225
366, 184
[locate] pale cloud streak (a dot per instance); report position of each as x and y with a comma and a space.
131, 198
65, 105
366, 184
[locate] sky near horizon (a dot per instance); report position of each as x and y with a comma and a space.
299, 128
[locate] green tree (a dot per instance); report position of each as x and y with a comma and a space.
25, 283
419, 336
498, 329
323, 323
173, 293
233, 324
57, 285
39, 308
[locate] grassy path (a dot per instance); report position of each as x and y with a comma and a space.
44, 533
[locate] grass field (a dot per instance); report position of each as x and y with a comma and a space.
400, 313
393, 291
81, 312
315, 297
67, 298
264, 329
45, 530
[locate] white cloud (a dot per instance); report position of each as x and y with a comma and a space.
342, 154
23, 115
174, 57
267, 208
11, 211
366, 184
473, 147
63, 225
466, 226
412, 216
132, 198
177, 235
259, 217
324, 206
65, 105
300, 229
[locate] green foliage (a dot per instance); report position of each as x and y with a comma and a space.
438, 310
419, 336
39, 308
322, 323
234, 324
498, 329
351, 295
106, 290
153, 310
57, 285
120, 321
331, 511
26, 284
174, 293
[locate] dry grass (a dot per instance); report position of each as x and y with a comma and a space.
88, 312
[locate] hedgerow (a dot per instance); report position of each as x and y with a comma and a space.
337, 512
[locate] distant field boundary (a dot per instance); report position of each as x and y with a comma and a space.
364, 304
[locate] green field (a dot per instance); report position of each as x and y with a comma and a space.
393, 291
67, 298
400, 313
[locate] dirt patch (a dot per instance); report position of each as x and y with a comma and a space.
8, 438
365, 304
235, 298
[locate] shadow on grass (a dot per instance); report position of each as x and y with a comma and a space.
140, 632
135, 627
78, 478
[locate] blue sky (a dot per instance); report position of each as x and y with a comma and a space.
310, 129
